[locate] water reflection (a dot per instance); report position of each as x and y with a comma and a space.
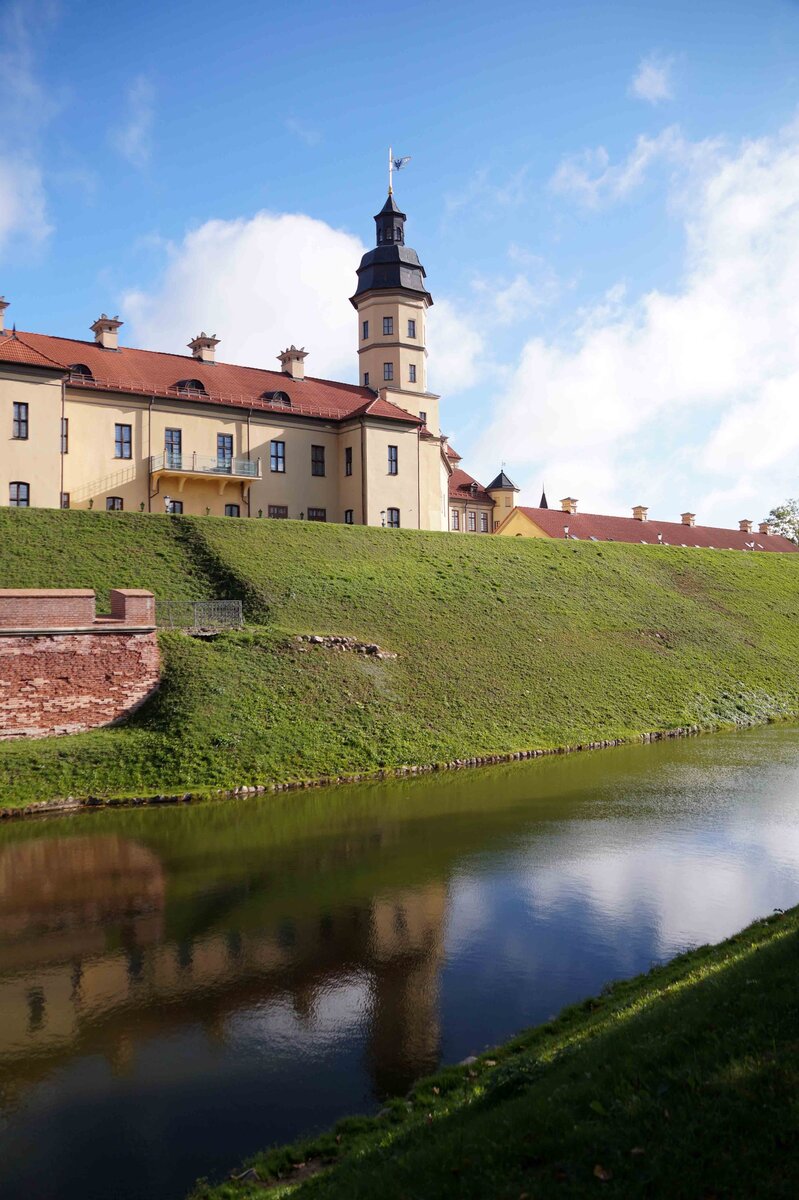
178, 987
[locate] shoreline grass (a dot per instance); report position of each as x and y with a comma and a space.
502, 645
682, 1082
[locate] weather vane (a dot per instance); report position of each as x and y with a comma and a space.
395, 164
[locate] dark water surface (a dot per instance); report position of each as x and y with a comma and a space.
180, 987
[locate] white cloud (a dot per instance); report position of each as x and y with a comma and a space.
592, 179
133, 137
26, 107
683, 398
259, 284
653, 79
306, 133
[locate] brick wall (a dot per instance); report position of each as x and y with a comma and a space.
70, 682
53, 682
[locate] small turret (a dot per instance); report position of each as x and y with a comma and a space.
502, 491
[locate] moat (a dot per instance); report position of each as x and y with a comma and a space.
182, 986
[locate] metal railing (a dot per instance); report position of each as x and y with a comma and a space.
206, 464
198, 614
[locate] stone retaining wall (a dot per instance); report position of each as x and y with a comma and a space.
62, 670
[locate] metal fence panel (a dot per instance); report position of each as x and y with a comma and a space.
198, 614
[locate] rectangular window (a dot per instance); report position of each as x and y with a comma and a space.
232, 510
472, 521
365, 329
388, 370
392, 518
175, 508
65, 499
366, 379
483, 522
412, 373
122, 441
411, 328
278, 512
393, 460
496, 525
20, 423
224, 451
456, 519
317, 461
317, 514
173, 448
422, 415
65, 435
388, 326
19, 495
277, 457
348, 460
348, 516
113, 504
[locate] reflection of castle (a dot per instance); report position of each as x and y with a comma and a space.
84, 962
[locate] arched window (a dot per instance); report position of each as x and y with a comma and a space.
19, 494
80, 373
190, 387
281, 398
114, 504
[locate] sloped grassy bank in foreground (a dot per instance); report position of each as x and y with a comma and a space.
681, 1083
501, 644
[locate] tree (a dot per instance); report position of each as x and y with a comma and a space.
784, 519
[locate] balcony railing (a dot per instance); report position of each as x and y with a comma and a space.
206, 464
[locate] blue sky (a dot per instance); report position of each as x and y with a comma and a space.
603, 195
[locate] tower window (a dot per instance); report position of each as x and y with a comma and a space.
393, 461
422, 416
348, 460
393, 518
366, 379
388, 325
412, 373
411, 329
365, 333
388, 370
19, 495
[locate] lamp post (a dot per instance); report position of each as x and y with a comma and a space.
382, 516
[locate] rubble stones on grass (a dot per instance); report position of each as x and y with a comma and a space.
337, 642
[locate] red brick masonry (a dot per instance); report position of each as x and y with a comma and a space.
63, 670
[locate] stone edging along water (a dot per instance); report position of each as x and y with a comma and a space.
72, 804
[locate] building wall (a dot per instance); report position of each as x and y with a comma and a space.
397, 491
463, 508
516, 524
35, 461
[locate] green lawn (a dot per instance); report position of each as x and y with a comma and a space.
681, 1083
502, 645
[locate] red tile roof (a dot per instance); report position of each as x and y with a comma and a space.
460, 488
152, 372
673, 533
453, 453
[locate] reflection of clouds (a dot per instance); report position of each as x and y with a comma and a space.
338, 1011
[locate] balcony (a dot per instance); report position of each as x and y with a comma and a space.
180, 467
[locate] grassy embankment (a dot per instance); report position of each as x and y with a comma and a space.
680, 1083
502, 645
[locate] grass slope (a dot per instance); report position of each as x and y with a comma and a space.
680, 1083
502, 645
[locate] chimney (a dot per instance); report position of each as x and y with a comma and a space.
745, 526
292, 362
569, 505
640, 512
203, 347
764, 528
688, 518
3, 306
106, 332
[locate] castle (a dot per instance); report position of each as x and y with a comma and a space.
97, 424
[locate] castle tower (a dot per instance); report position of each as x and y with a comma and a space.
502, 491
391, 301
